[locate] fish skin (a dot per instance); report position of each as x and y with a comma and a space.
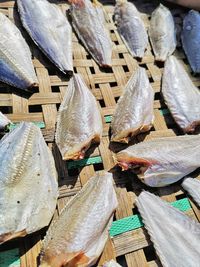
162, 33
79, 120
180, 95
134, 110
4, 121
191, 38
75, 232
92, 32
50, 30
162, 161
111, 263
171, 231
28, 182
16, 66
131, 28
192, 186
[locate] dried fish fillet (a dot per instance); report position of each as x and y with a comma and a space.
78, 236
79, 121
131, 27
49, 29
92, 32
162, 161
111, 263
28, 182
171, 231
16, 66
192, 186
162, 33
4, 121
181, 96
134, 111
191, 39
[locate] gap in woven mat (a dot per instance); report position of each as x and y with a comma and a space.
122, 261
102, 103
150, 253
125, 68
121, 55
35, 108
113, 84
181, 196
117, 98
96, 85
55, 89
157, 96
92, 70
116, 42
98, 167
6, 110
143, 66
58, 106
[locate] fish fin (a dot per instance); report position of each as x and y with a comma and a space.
8, 236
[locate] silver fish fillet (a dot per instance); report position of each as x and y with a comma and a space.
16, 66
171, 231
79, 120
28, 182
162, 33
134, 111
131, 28
92, 32
191, 39
180, 95
49, 29
111, 263
4, 121
162, 161
78, 236
192, 186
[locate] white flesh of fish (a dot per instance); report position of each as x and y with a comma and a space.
4, 121
28, 182
16, 66
134, 111
131, 28
192, 186
49, 29
191, 38
78, 236
92, 32
181, 96
79, 120
175, 236
162, 161
162, 33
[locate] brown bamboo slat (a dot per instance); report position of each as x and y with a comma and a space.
132, 248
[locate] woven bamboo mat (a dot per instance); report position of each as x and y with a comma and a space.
132, 248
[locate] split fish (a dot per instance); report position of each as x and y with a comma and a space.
134, 111
171, 231
180, 95
162, 33
131, 28
192, 186
50, 30
111, 263
16, 66
4, 121
191, 39
78, 236
92, 32
162, 161
28, 182
79, 120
